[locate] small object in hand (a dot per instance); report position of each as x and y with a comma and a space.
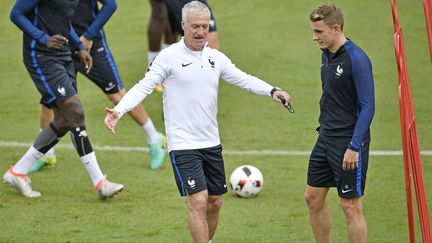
289, 107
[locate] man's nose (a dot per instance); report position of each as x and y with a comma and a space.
201, 30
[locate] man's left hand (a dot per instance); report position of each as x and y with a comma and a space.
350, 160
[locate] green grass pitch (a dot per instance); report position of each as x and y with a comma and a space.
270, 39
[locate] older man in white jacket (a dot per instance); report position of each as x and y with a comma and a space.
189, 72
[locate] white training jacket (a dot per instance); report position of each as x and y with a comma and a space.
190, 81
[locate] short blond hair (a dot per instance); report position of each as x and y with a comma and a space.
329, 13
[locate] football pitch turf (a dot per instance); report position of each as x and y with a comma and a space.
269, 39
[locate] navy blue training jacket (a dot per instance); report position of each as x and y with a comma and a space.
41, 19
347, 104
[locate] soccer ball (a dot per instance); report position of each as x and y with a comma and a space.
246, 181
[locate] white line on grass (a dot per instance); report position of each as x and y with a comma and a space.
15, 144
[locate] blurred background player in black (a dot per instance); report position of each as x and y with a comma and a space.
48, 34
88, 21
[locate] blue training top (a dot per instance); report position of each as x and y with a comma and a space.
40, 19
347, 104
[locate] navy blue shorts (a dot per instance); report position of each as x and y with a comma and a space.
104, 72
54, 77
196, 170
174, 8
325, 167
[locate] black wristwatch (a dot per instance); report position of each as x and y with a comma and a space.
274, 90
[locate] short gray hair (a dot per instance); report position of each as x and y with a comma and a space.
195, 8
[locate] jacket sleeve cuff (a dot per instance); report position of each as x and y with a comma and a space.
44, 39
353, 148
80, 46
119, 112
88, 36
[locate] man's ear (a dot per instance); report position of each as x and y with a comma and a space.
337, 28
183, 23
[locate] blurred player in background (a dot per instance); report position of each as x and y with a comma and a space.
48, 34
347, 106
88, 21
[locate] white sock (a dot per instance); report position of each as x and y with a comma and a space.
150, 132
151, 55
90, 163
24, 165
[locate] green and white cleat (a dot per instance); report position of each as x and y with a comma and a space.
157, 152
46, 160
37, 166
50, 160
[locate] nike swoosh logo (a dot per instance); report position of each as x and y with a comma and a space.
109, 88
187, 64
345, 191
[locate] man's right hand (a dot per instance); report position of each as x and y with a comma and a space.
56, 41
111, 119
278, 94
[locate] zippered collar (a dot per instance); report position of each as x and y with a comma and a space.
339, 52
202, 54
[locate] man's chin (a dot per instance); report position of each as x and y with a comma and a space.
199, 44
